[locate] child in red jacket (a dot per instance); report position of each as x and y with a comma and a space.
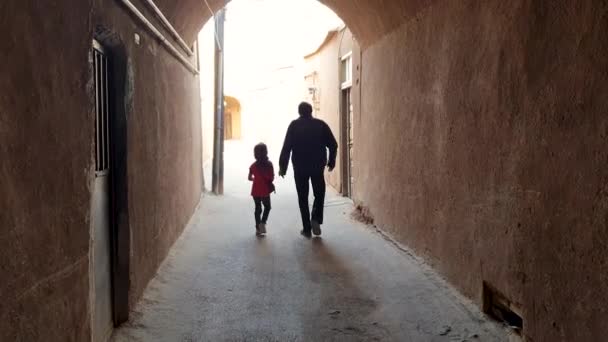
261, 173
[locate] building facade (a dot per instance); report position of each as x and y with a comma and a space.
332, 82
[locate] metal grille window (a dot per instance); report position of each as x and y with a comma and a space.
102, 104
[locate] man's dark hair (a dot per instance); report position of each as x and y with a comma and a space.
305, 109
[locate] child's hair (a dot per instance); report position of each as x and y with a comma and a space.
260, 152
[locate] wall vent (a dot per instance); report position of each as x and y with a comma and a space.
499, 307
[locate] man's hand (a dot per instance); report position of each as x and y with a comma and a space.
282, 173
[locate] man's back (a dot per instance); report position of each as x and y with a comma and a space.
307, 139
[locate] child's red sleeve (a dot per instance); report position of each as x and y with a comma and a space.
250, 173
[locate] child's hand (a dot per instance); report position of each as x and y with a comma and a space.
282, 173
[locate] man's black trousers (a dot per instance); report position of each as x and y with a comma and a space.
316, 177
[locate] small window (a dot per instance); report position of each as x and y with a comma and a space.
346, 71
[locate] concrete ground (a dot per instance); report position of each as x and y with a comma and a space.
221, 283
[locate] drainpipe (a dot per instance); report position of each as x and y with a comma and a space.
168, 26
343, 145
159, 36
218, 137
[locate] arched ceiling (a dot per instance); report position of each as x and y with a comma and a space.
368, 20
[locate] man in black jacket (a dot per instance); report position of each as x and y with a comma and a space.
308, 140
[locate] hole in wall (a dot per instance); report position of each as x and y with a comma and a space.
502, 309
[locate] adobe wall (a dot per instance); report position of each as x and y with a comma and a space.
482, 145
326, 64
45, 173
206, 41
47, 140
164, 144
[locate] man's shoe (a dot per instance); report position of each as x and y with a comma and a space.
262, 228
316, 227
306, 234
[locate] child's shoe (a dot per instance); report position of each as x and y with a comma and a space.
262, 228
257, 230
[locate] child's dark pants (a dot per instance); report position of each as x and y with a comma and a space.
258, 209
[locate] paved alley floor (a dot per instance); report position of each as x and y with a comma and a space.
222, 283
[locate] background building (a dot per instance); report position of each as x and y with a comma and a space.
329, 87
263, 66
